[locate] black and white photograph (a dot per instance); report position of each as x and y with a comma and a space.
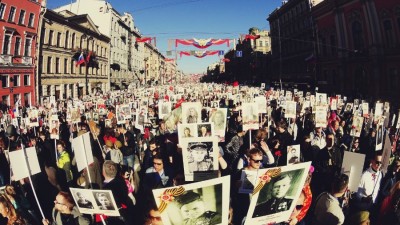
33, 118
379, 135
293, 154
275, 201
205, 129
218, 118
320, 116
164, 108
261, 104
290, 109
205, 202
357, 125
103, 201
352, 166
191, 112
200, 157
321, 99
54, 127
187, 131
250, 116
91, 201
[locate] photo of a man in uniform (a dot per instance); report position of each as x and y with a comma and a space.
278, 201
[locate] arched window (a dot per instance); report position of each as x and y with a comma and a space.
73, 41
66, 39
357, 32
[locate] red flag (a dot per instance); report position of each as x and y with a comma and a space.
143, 39
88, 56
235, 83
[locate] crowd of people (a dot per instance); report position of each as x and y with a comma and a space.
131, 158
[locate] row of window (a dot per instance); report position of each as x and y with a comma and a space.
12, 14
27, 99
10, 40
70, 40
53, 65
6, 80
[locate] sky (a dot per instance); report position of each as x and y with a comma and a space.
187, 19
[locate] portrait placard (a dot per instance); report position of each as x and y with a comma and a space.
378, 110
164, 108
54, 127
357, 125
20, 168
261, 104
211, 198
365, 109
200, 158
379, 134
333, 103
290, 109
33, 118
218, 118
352, 166
82, 150
293, 154
95, 201
320, 116
250, 116
191, 112
276, 194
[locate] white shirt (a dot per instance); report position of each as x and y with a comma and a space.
369, 184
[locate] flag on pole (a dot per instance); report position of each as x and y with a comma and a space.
81, 60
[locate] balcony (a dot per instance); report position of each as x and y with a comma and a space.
26, 60
5, 59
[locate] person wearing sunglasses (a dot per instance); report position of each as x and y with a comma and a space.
159, 175
65, 212
369, 185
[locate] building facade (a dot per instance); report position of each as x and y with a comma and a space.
18, 27
114, 25
293, 42
359, 47
65, 37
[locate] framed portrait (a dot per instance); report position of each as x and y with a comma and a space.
379, 134
293, 154
95, 201
33, 118
200, 158
250, 116
219, 119
191, 112
54, 127
290, 109
164, 108
205, 129
205, 202
276, 194
356, 126
261, 104
75, 115
320, 116
187, 131
378, 111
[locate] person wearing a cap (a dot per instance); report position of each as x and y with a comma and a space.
199, 158
194, 210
